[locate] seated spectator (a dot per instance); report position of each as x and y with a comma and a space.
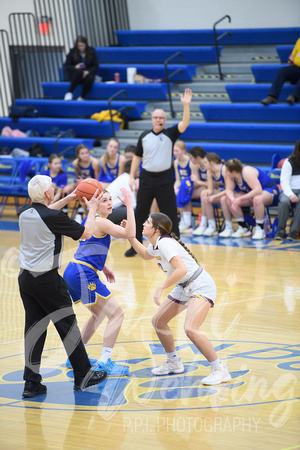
214, 194
249, 186
58, 176
183, 185
112, 163
81, 65
289, 73
290, 195
119, 211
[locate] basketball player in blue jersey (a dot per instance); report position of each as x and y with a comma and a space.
84, 284
183, 186
214, 194
85, 166
112, 163
249, 186
58, 176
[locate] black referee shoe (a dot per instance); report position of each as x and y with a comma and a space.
33, 389
130, 252
91, 378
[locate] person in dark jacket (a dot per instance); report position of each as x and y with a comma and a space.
81, 65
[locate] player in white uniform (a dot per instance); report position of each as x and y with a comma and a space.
194, 291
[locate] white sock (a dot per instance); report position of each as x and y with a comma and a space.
212, 223
187, 218
203, 221
106, 354
215, 363
173, 356
228, 224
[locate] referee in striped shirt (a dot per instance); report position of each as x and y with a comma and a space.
43, 291
155, 148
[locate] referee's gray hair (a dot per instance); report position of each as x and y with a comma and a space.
37, 187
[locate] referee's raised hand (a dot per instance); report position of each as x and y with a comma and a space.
187, 96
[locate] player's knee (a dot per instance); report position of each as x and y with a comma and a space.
119, 314
155, 321
190, 332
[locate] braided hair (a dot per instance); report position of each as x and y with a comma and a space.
164, 225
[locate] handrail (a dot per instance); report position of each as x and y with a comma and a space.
217, 39
116, 94
59, 136
168, 77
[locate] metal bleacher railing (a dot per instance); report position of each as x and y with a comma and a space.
218, 39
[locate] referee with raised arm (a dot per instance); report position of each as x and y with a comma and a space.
155, 147
43, 291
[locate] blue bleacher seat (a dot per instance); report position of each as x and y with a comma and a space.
241, 132
48, 144
265, 72
248, 153
250, 112
81, 127
254, 92
138, 91
205, 37
73, 108
284, 51
107, 71
156, 54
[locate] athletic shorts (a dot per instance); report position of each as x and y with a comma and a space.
274, 190
84, 284
202, 287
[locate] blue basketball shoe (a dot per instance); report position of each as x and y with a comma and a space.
112, 368
92, 361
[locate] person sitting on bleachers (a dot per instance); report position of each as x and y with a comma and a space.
249, 186
290, 195
112, 163
81, 65
214, 194
289, 73
197, 155
58, 176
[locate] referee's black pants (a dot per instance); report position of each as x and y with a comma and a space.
46, 297
159, 185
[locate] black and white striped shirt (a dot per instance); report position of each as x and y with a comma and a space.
42, 230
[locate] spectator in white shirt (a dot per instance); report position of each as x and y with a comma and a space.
290, 195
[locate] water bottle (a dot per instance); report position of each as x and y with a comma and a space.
267, 225
199, 218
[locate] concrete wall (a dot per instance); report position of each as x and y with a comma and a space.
195, 14
191, 14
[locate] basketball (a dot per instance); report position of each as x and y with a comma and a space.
87, 188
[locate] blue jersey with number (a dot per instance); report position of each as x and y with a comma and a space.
110, 174
87, 172
184, 172
93, 251
202, 174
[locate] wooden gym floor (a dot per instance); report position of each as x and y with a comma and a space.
254, 328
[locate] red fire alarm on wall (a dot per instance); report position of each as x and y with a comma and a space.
45, 25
